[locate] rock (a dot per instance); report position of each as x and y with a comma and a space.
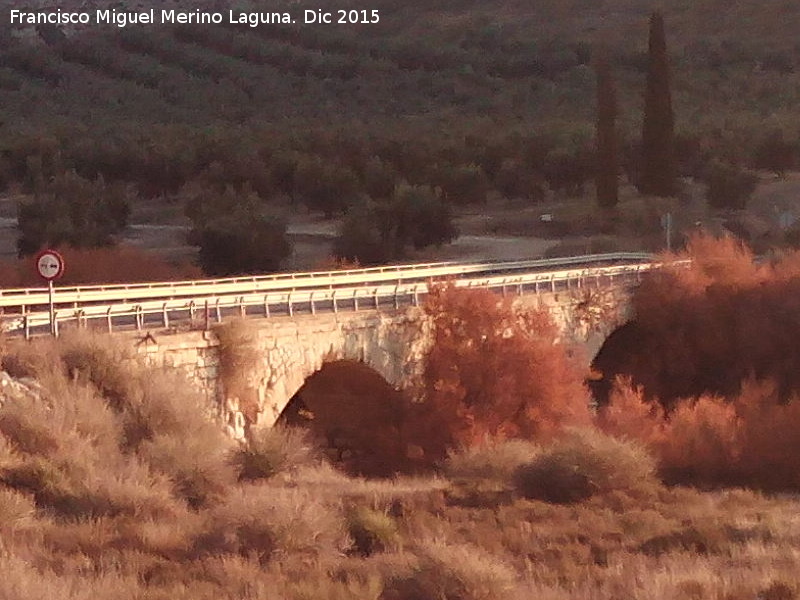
11, 388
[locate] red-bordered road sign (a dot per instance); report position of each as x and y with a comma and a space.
49, 264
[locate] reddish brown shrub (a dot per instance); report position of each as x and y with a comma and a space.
701, 444
769, 440
119, 264
492, 371
715, 344
628, 415
752, 439
707, 328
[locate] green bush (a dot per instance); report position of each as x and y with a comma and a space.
380, 231
776, 154
792, 235
465, 184
73, 211
568, 170
325, 187
379, 178
238, 246
233, 235
516, 180
728, 186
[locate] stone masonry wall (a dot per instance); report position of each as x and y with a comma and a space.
288, 350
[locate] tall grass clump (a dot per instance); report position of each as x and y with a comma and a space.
16, 510
372, 530
103, 412
268, 452
481, 475
491, 461
66, 455
453, 572
263, 523
583, 463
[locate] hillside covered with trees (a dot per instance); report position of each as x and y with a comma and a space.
466, 101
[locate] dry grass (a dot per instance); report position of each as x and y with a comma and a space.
372, 530
262, 523
583, 463
482, 475
453, 571
89, 511
271, 451
490, 461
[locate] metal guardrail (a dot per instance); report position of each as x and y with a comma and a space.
26, 299
202, 309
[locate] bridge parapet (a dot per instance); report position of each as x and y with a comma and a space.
199, 304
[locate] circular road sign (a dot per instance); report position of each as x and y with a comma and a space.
49, 264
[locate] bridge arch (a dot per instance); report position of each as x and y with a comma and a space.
354, 413
284, 356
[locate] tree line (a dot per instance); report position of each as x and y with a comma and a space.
656, 167
396, 190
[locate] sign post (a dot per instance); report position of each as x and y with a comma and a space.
50, 266
666, 223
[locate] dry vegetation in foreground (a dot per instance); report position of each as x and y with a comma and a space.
706, 376
114, 485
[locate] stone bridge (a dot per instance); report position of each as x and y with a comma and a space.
249, 370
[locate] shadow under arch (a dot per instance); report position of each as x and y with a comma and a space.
354, 414
616, 357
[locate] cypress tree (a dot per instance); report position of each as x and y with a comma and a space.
606, 181
658, 168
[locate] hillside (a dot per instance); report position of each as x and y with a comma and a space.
482, 101
460, 65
